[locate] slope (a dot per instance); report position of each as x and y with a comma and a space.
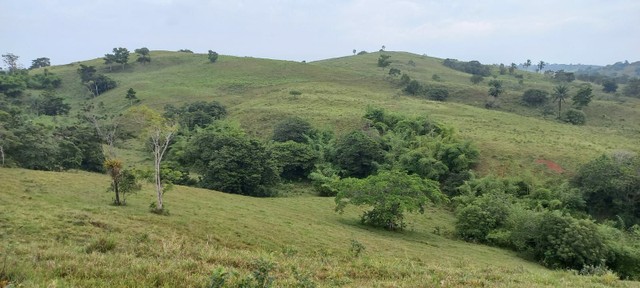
57, 230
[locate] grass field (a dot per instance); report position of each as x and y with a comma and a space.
54, 226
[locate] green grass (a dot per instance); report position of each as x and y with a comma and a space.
58, 230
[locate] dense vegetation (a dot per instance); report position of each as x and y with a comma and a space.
391, 162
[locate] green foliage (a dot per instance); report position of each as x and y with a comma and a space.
13, 84
46, 80
383, 61
101, 245
391, 194
583, 96
96, 83
575, 117
609, 85
475, 79
611, 187
185, 51
565, 242
535, 97
495, 88
229, 161
143, 55
437, 93
324, 179
196, 114
357, 154
405, 79
560, 94
40, 62
472, 67
476, 220
121, 56
564, 76
356, 248
393, 72
413, 87
52, 105
292, 129
295, 160
218, 278
213, 56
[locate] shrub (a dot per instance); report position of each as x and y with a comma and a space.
292, 129
323, 179
475, 79
295, 160
574, 116
357, 154
476, 220
414, 87
438, 94
535, 97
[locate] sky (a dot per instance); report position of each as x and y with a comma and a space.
595, 32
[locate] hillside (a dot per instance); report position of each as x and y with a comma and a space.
58, 229
54, 225
335, 93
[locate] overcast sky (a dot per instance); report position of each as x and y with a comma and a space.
556, 31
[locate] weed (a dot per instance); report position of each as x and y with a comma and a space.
102, 245
218, 278
356, 248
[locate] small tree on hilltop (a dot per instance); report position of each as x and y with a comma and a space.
143, 55
109, 59
131, 96
391, 193
40, 62
213, 56
121, 56
541, 66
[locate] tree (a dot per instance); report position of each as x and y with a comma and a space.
52, 105
535, 97
503, 69
354, 51
292, 129
560, 94
475, 79
633, 88
393, 72
109, 59
383, 61
196, 114
143, 55
229, 161
512, 68
609, 85
40, 62
294, 160
391, 194
213, 56
122, 181
414, 87
495, 88
95, 83
541, 65
583, 96
121, 56
574, 116
131, 96
437, 93
527, 64
159, 131
11, 60
357, 154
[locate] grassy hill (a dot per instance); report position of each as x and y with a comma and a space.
336, 92
54, 225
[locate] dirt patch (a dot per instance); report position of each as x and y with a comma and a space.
553, 166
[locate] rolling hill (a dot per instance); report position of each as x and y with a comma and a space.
57, 229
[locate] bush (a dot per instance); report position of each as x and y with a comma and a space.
438, 94
574, 116
292, 129
102, 245
413, 87
535, 97
475, 79
357, 154
324, 178
295, 160
476, 220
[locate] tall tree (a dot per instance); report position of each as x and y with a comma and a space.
213, 56
560, 94
159, 131
143, 55
541, 65
121, 56
109, 59
11, 60
512, 68
40, 62
527, 64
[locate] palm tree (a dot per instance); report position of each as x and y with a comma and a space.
560, 94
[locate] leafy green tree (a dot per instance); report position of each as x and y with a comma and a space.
512, 68
53, 105
46, 80
229, 161
560, 94
196, 114
475, 79
292, 129
354, 51
405, 79
535, 97
583, 96
495, 88
383, 61
476, 220
564, 76
611, 187
109, 60
95, 83
121, 56
213, 56
527, 64
13, 84
413, 87
574, 116
357, 154
131, 96
295, 160
393, 72
40, 62
391, 194
437, 93
143, 55
609, 86
502, 69
114, 168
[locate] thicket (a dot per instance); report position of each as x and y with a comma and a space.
554, 224
471, 67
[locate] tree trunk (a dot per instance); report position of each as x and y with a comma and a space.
559, 108
158, 180
115, 188
2, 155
